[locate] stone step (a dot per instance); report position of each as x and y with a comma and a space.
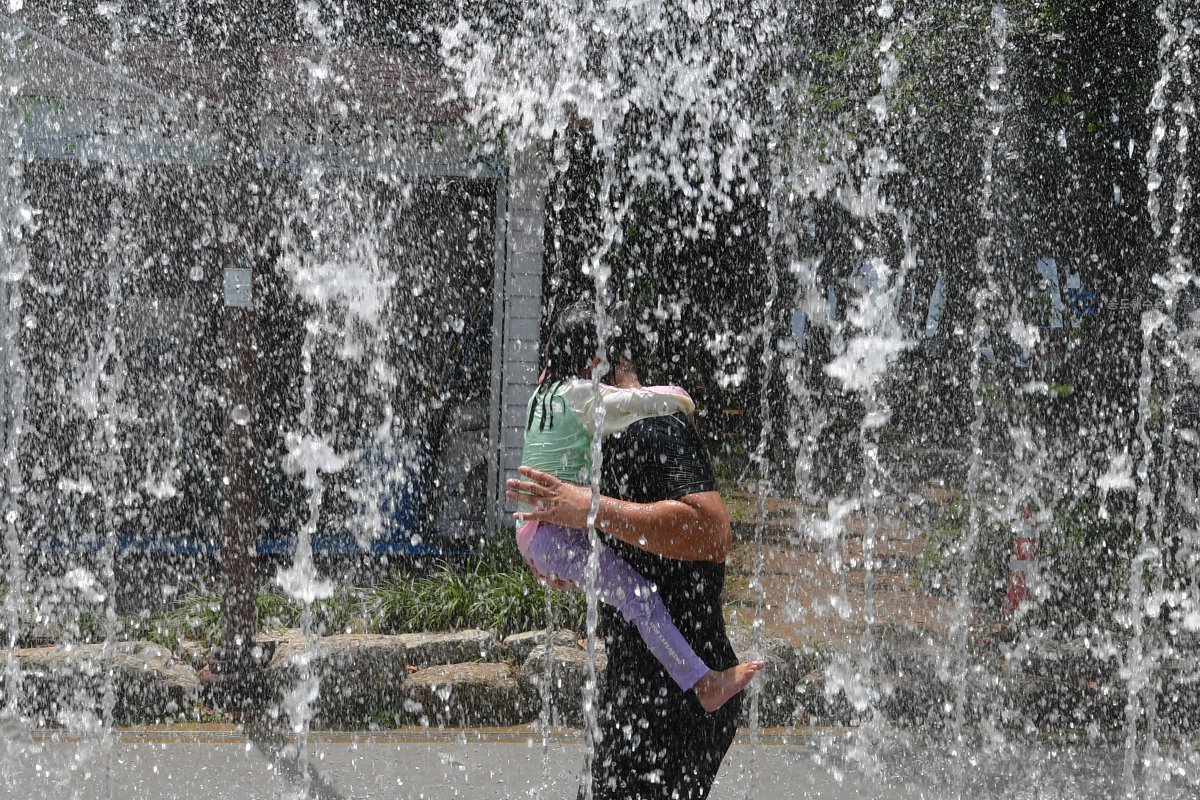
560, 686
65, 685
467, 696
518, 646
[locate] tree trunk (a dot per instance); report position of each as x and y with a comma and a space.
239, 56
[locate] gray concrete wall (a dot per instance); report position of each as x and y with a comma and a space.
520, 307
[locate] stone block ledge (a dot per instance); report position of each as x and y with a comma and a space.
470, 679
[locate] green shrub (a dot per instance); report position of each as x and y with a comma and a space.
493, 590
939, 569
197, 615
1087, 550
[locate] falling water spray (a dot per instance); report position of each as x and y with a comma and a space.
612, 221
108, 373
1164, 13
1183, 493
1138, 667
878, 339
16, 218
875, 414
1162, 357
981, 331
762, 457
308, 453
545, 681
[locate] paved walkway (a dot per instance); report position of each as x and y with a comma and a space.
215, 765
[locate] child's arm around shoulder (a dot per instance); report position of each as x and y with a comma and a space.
623, 407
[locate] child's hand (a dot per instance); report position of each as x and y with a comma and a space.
553, 500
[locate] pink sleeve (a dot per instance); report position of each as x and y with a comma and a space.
678, 391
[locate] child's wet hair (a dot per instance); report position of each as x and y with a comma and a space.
572, 346
573, 342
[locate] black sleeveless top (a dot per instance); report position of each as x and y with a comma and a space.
648, 725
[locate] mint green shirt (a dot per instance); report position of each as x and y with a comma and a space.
560, 445
564, 448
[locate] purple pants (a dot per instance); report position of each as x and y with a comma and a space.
563, 553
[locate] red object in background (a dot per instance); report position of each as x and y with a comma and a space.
1022, 567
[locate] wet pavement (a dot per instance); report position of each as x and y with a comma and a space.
217, 764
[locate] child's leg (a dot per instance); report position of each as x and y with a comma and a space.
563, 553
624, 588
554, 551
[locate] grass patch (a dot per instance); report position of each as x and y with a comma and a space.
491, 590
197, 615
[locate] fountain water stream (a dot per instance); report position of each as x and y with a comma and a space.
769, 189
309, 452
765, 478
1147, 618
16, 217
109, 372
983, 328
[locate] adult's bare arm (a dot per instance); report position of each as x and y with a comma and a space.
693, 528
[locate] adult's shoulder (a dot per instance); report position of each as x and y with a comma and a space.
659, 458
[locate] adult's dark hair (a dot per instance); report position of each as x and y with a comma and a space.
623, 338
573, 342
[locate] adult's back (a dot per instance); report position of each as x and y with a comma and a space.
656, 740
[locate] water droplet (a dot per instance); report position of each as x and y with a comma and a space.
240, 414
196, 273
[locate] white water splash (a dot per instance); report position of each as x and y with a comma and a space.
1119, 476
354, 282
86, 583
308, 453
865, 361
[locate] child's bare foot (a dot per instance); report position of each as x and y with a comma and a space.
715, 688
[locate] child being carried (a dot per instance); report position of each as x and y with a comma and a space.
558, 440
